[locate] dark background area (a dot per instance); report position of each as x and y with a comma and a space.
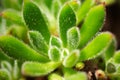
112, 22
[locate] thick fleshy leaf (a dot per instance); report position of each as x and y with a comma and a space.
55, 41
37, 42
83, 10
54, 54
6, 65
34, 19
56, 5
18, 50
77, 76
98, 45
55, 76
38, 69
19, 32
111, 50
4, 75
93, 23
71, 74
4, 57
117, 57
67, 19
13, 16
71, 59
73, 38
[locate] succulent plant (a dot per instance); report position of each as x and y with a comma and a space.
57, 39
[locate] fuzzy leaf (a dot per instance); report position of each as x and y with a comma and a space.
54, 54
67, 19
93, 23
18, 50
111, 50
37, 42
71, 59
99, 44
56, 5
3, 75
4, 57
77, 76
117, 57
39, 69
13, 16
73, 38
55, 76
71, 74
55, 41
34, 19
84, 9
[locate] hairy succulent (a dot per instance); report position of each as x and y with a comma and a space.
56, 38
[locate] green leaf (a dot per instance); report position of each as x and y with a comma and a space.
67, 19
73, 38
55, 41
18, 50
71, 74
117, 56
37, 42
3, 75
111, 50
13, 16
19, 32
56, 5
6, 65
98, 45
71, 59
54, 54
4, 57
84, 9
55, 76
77, 76
93, 23
34, 19
38, 69
111, 68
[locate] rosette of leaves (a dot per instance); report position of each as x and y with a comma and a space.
59, 37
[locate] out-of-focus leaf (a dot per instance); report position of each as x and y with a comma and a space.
117, 57
71, 74
4, 57
111, 68
11, 4
83, 10
19, 32
67, 19
18, 50
35, 20
54, 54
3, 75
16, 70
65, 52
55, 76
75, 4
37, 42
48, 3
71, 59
13, 16
77, 76
111, 50
55, 41
73, 38
6, 65
38, 69
108, 2
56, 5
93, 23
98, 45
